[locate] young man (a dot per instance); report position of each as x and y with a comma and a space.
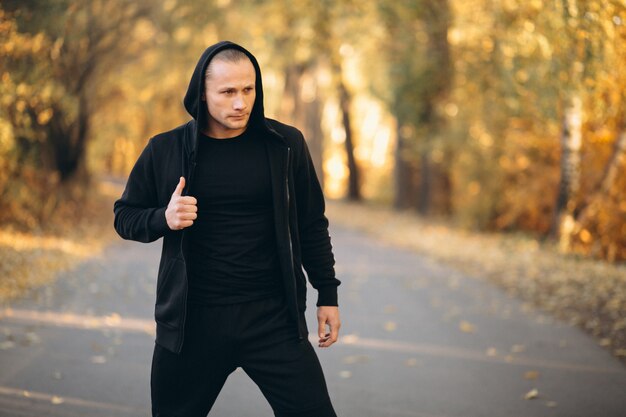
241, 212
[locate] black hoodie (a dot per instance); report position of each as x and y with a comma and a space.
302, 238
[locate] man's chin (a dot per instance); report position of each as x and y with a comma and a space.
227, 127
238, 124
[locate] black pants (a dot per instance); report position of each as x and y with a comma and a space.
257, 336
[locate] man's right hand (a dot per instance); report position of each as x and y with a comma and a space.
181, 211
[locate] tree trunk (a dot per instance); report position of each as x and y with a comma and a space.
315, 136
615, 163
301, 107
404, 172
606, 184
290, 104
571, 141
67, 142
345, 101
436, 19
426, 178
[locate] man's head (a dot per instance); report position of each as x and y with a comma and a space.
229, 92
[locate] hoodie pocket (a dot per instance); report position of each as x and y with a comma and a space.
171, 290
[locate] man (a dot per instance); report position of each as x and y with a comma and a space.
241, 212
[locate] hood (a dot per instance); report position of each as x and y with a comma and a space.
198, 109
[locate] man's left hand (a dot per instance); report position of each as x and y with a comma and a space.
328, 316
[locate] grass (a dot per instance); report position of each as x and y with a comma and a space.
31, 259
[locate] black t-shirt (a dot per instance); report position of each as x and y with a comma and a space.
232, 244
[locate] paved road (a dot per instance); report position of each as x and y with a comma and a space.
419, 340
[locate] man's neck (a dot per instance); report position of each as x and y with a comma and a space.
223, 133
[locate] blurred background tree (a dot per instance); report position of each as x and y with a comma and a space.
56, 55
500, 115
420, 76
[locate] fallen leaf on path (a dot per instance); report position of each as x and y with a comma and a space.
32, 338
551, 404
7, 345
492, 352
98, 359
350, 338
345, 374
57, 400
532, 394
531, 375
390, 326
356, 359
518, 348
467, 327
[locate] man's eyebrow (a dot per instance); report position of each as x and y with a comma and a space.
232, 87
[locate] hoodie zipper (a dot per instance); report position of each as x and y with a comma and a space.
192, 169
293, 272
288, 202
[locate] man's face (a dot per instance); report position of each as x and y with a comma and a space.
230, 92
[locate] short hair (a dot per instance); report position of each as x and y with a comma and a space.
228, 55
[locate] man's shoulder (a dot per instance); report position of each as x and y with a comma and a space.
290, 133
171, 136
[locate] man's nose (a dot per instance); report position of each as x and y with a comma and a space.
239, 103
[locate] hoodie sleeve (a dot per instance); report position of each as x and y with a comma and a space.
316, 250
138, 215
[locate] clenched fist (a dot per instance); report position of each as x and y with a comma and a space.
181, 211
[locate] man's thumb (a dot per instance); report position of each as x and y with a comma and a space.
180, 186
321, 328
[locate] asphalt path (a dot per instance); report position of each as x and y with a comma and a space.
419, 339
